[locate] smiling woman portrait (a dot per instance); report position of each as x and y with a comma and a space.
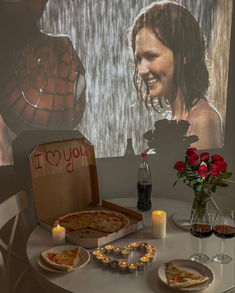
170, 69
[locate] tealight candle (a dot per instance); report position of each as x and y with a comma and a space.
135, 245
152, 251
106, 261
140, 265
109, 248
117, 250
144, 259
128, 247
150, 256
95, 253
100, 258
148, 247
58, 235
123, 266
125, 252
159, 224
143, 245
114, 264
132, 268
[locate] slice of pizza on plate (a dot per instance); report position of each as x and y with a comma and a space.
64, 260
178, 278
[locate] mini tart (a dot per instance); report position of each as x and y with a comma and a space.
65, 260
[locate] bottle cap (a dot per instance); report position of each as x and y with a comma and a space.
144, 155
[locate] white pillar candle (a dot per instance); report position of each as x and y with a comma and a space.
58, 235
158, 224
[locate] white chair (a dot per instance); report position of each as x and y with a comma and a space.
12, 208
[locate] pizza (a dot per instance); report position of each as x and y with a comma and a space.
65, 260
178, 278
98, 220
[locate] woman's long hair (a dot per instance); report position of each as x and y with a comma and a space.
178, 30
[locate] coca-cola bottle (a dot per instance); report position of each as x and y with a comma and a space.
144, 185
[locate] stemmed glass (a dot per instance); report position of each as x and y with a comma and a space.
224, 228
201, 227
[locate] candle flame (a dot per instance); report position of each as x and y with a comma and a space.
158, 212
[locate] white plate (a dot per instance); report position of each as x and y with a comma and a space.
192, 266
182, 220
84, 257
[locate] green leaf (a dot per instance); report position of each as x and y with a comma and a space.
222, 184
226, 175
199, 188
192, 183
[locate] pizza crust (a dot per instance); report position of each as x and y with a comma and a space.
177, 278
71, 256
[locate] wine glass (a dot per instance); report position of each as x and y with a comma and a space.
201, 227
224, 228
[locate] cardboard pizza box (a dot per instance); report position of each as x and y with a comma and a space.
64, 180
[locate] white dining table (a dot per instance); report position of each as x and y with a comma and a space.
178, 244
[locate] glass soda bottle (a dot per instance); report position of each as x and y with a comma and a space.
144, 185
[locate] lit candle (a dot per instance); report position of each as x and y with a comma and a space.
150, 256
135, 245
123, 266
132, 268
159, 224
125, 252
149, 247
100, 258
106, 261
128, 247
140, 265
144, 259
143, 245
95, 253
58, 235
114, 264
152, 251
109, 248
117, 250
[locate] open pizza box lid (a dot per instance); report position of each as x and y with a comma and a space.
64, 180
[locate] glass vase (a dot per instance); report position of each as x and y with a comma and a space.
200, 204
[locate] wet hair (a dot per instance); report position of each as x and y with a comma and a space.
178, 30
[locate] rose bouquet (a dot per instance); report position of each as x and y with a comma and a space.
202, 173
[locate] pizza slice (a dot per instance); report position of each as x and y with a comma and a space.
177, 278
65, 260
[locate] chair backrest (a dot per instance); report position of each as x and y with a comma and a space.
10, 208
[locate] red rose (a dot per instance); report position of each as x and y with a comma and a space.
214, 170
202, 171
193, 159
222, 165
216, 158
191, 151
180, 166
205, 157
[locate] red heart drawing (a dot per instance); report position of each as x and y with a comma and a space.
53, 158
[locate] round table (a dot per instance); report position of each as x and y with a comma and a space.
178, 244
